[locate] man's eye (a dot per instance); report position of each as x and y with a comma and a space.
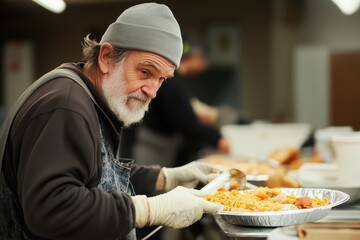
144, 73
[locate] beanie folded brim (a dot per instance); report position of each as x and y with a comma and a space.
153, 40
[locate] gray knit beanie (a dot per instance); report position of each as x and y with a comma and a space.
149, 27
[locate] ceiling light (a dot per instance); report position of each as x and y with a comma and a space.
56, 6
348, 7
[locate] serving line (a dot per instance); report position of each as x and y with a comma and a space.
342, 213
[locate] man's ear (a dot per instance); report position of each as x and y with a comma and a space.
104, 58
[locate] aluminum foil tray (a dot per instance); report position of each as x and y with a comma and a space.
288, 217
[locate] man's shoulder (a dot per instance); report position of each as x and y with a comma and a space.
63, 92
59, 94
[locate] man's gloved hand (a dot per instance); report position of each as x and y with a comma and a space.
178, 208
188, 175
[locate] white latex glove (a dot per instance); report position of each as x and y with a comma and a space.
188, 175
178, 208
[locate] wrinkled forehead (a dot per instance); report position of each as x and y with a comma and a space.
157, 62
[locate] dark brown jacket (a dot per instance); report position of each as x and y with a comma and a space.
52, 162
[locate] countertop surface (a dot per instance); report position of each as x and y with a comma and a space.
342, 213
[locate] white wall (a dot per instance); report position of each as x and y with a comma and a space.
311, 85
325, 29
18, 70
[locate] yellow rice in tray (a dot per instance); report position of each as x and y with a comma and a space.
262, 199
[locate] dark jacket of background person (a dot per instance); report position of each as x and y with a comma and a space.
171, 112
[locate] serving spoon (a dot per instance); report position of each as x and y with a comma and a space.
231, 179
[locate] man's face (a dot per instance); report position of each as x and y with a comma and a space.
131, 84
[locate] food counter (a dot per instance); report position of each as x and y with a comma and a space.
284, 167
347, 211
343, 213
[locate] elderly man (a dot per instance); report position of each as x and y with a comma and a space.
61, 175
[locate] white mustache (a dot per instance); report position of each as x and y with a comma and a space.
138, 96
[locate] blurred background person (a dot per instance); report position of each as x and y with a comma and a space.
194, 64
219, 115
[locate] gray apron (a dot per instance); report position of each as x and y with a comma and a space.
115, 173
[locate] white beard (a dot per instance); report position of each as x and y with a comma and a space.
127, 108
